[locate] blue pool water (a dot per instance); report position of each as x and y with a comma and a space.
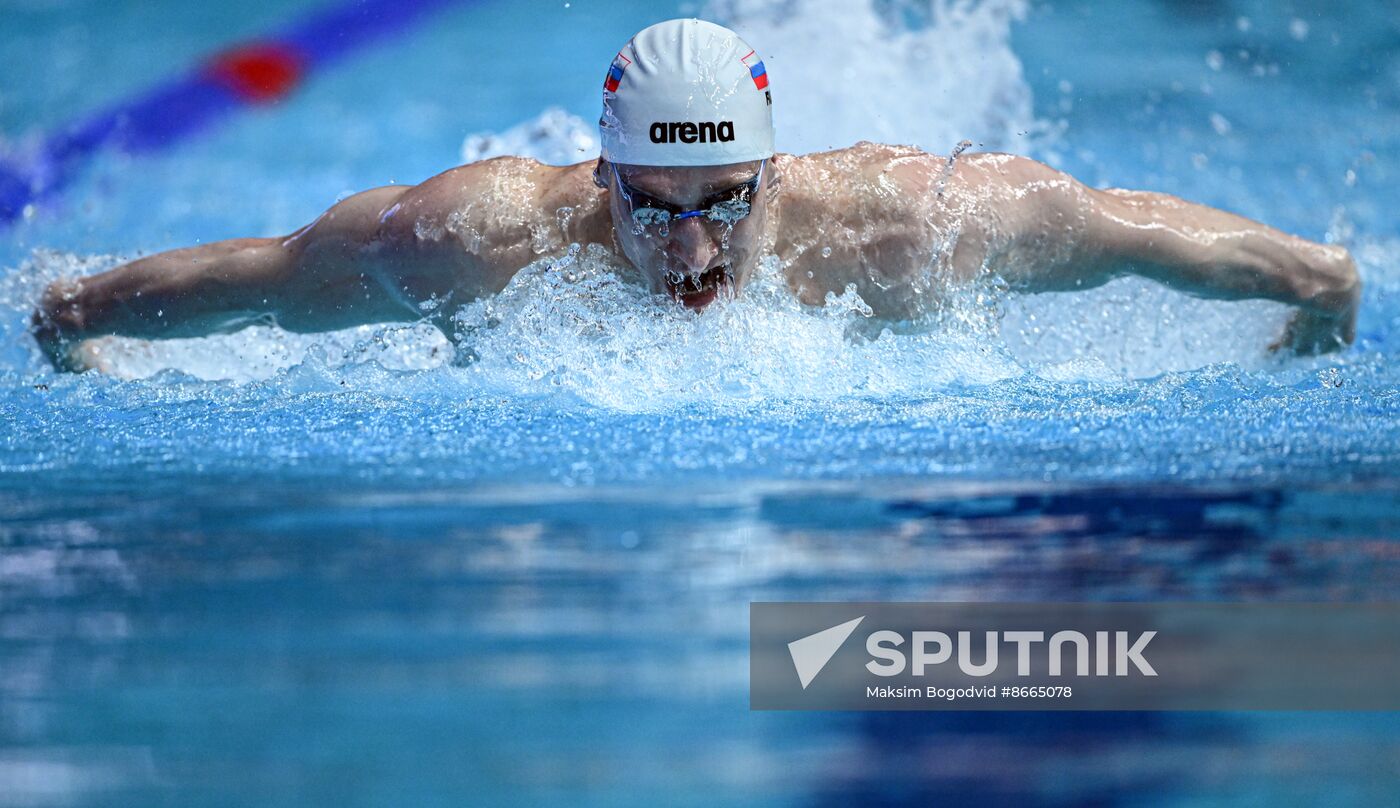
268, 569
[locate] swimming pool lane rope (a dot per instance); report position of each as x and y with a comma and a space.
256, 72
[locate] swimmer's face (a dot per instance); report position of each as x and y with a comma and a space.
700, 258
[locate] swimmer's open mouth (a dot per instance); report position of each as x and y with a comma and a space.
699, 291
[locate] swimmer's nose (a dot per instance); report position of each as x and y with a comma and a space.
692, 245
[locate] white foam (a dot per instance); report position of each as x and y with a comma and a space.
928, 75
554, 137
575, 327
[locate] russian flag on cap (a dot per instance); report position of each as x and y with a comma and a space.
757, 71
619, 66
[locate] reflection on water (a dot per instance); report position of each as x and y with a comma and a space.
315, 646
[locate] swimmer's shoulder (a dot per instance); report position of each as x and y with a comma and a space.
494, 217
902, 181
483, 179
864, 159
884, 182
888, 171
519, 184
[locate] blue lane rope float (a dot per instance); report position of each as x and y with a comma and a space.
260, 71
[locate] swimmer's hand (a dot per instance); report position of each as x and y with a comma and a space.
59, 329
1309, 333
57, 324
1328, 321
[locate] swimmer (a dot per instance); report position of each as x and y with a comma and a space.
689, 194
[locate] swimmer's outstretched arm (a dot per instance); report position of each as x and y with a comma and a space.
1065, 236
315, 279
371, 258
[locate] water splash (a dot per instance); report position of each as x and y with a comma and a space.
577, 327
554, 137
847, 71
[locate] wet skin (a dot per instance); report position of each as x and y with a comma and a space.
900, 225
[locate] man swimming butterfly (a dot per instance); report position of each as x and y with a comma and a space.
690, 192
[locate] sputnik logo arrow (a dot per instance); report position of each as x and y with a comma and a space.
811, 653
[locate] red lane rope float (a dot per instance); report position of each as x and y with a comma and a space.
258, 73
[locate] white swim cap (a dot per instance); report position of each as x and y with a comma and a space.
686, 93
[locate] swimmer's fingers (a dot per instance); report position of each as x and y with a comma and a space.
59, 350
79, 357
64, 355
1328, 321
66, 358
1310, 333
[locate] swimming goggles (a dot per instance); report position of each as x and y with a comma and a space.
727, 206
